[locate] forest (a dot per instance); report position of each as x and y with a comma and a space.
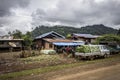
98, 29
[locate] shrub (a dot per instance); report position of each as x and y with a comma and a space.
25, 54
33, 53
108, 38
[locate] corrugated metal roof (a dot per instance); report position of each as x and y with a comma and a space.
84, 35
11, 39
58, 40
52, 33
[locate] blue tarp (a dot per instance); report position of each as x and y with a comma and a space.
68, 43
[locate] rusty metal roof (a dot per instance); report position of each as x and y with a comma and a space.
85, 35
11, 39
58, 40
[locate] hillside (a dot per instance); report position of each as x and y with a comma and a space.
64, 30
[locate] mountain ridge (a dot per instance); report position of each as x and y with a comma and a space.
97, 29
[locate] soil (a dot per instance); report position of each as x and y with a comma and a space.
101, 70
108, 70
9, 62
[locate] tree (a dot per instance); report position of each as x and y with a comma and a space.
68, 36
10, 33
109, 38
27, 39
64, 30
118, 32
16, 34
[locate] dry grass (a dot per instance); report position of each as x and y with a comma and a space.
9, 55
115, 58
41, 58
10, 62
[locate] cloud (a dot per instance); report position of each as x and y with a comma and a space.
26, 14
81, 12
13, 15
6, 5
21, 20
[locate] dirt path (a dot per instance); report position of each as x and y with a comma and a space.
109, 70
106, 73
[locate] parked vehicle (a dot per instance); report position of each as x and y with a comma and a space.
118, 50
92, 51
113, 50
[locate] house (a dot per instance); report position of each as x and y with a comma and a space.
40, 41
84, 37
10, 44
53, 40
58, 43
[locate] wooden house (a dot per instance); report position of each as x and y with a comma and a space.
53, 40
84, 37
10, 44
42, 42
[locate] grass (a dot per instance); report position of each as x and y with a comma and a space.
51, 68
9, 55
41, 58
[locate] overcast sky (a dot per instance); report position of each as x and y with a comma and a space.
26, 14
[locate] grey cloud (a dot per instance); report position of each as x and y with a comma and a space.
39, 14
6, 5
83, 12
8, 18
62, 12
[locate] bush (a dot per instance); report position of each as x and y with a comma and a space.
25, 54
33, 54
108, 38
